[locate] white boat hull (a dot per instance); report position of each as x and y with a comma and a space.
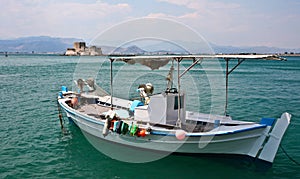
159, 144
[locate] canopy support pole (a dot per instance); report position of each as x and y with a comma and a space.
227, 76
186, 70
111, 84
178, 123
239, 62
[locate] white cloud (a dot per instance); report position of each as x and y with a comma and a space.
215, 20
202, 5
210, 15
159, 15
222, 22
242, 23
57, 18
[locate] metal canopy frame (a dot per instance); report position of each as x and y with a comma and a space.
196, 59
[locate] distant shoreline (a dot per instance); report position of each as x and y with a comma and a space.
62, 54
290, 55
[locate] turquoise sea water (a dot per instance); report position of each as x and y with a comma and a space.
32, 144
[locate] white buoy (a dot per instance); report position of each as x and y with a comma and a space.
105, 128
110, 114
180, 134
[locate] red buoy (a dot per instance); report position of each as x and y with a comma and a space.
142, 133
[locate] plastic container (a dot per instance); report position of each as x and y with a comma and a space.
64, 89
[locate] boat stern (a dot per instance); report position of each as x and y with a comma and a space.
271, 146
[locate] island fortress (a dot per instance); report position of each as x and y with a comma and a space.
81, 49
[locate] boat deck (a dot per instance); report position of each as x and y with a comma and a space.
94, 110
97, 107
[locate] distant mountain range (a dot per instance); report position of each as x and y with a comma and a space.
45, 44
38, 44
122, 50
253, 49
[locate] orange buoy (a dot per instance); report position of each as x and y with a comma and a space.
142, 133
111, 127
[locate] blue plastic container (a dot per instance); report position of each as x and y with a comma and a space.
217, 123
60, 95
135, 104
64, 89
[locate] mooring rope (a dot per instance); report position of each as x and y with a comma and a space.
288, 156
60, 116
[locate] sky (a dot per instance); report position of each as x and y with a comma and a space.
273, 23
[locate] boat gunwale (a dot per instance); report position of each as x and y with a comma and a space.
156, 131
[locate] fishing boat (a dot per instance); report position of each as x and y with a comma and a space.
160, 123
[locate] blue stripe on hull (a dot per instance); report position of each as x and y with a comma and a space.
169, 134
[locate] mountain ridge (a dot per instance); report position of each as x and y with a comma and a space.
39, 44
46, 44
